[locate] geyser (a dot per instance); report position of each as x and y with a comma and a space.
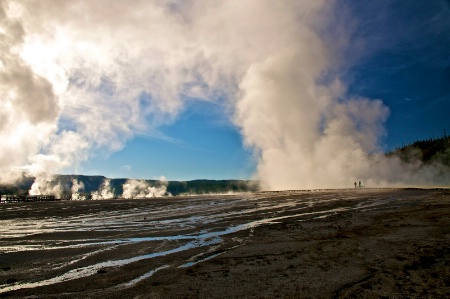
79, 79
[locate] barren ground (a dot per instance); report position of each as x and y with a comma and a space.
321, 244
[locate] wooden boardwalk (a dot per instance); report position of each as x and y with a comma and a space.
26, 198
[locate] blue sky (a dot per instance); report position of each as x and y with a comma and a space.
406, 64
176, 88
203, 144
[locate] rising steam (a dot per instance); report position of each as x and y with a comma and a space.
47, 185
105, 192
83, 77
142, 189
76, 190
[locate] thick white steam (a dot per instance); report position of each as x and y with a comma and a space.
83, 77
306, 133
105, 192
47, 185
142, 189
76, 190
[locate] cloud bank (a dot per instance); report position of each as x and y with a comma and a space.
80, 78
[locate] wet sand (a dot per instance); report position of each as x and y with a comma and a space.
323, 244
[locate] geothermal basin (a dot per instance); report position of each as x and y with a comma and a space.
366, 243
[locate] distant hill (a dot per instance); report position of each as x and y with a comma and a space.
90, 184
211, 186
430, 151
434, 150
21, 187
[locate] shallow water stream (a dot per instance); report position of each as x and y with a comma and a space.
89, 237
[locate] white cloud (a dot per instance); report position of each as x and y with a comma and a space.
79, 76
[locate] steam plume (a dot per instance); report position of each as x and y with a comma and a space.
306, 132
47, 185
77, 186
141, 189
83, 77
105, 192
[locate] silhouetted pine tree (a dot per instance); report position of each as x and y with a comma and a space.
428, 151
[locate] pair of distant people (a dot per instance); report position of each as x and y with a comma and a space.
359, 184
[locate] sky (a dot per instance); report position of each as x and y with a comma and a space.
295, 94
201, 144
